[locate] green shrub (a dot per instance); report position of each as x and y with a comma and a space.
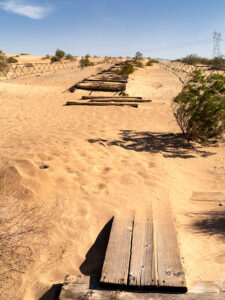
127, 69
85, 62
46, 57
59, 53
200, 107
151, 61
69, 56
55, 59
218, 62
12, 60
138, 64
3, 65
24, 54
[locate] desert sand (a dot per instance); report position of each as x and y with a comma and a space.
102, 161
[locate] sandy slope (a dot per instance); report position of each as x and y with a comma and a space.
102, 161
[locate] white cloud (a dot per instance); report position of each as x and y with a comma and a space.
21, 8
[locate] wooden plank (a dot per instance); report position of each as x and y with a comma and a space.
142, 266
208, 196
121, 100
112, 87
116, 265
169, 267
102, 104
111, 97
103, 79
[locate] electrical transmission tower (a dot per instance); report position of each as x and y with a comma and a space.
217, 37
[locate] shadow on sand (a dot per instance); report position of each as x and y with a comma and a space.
53, 293
212, 223
170, 144
92, 266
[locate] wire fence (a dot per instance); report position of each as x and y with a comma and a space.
18, 70
184, 71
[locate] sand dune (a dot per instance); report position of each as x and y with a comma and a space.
102, 161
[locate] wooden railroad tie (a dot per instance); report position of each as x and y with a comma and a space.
144, 252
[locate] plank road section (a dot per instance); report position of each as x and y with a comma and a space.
142, 267
169, 267
116, 265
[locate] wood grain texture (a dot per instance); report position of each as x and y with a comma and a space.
169, 267
208, 196
117, 259
110, 97
102, 104
121, 100
142, 266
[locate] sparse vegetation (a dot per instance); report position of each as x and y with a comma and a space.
193, 59
11, 60
138, 64
46, 57
24, 54
200, 107
69, 57
127, 69
85, 62
59, 54
151, 61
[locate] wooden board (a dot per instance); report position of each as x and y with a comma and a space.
96, 86
208, 196
121, 100
116, 263
142, 266
103, 79
111, 97
169, 267
102, 104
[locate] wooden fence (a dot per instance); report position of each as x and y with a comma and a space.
184, 71
18, 70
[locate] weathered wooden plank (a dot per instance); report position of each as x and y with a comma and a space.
103, 79
142, 266
121, 100
169, 267
102, 104
208, 196
116, 265
111, 97
97, 86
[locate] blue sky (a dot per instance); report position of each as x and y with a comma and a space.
157, 28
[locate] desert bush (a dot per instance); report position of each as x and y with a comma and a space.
85, 62
23, 229
24, 54
46, 57
127, 69
151, 61
3, 65
12, 60
200, 107
69, 56
55, 59
59, 53
138, 64
218, 62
